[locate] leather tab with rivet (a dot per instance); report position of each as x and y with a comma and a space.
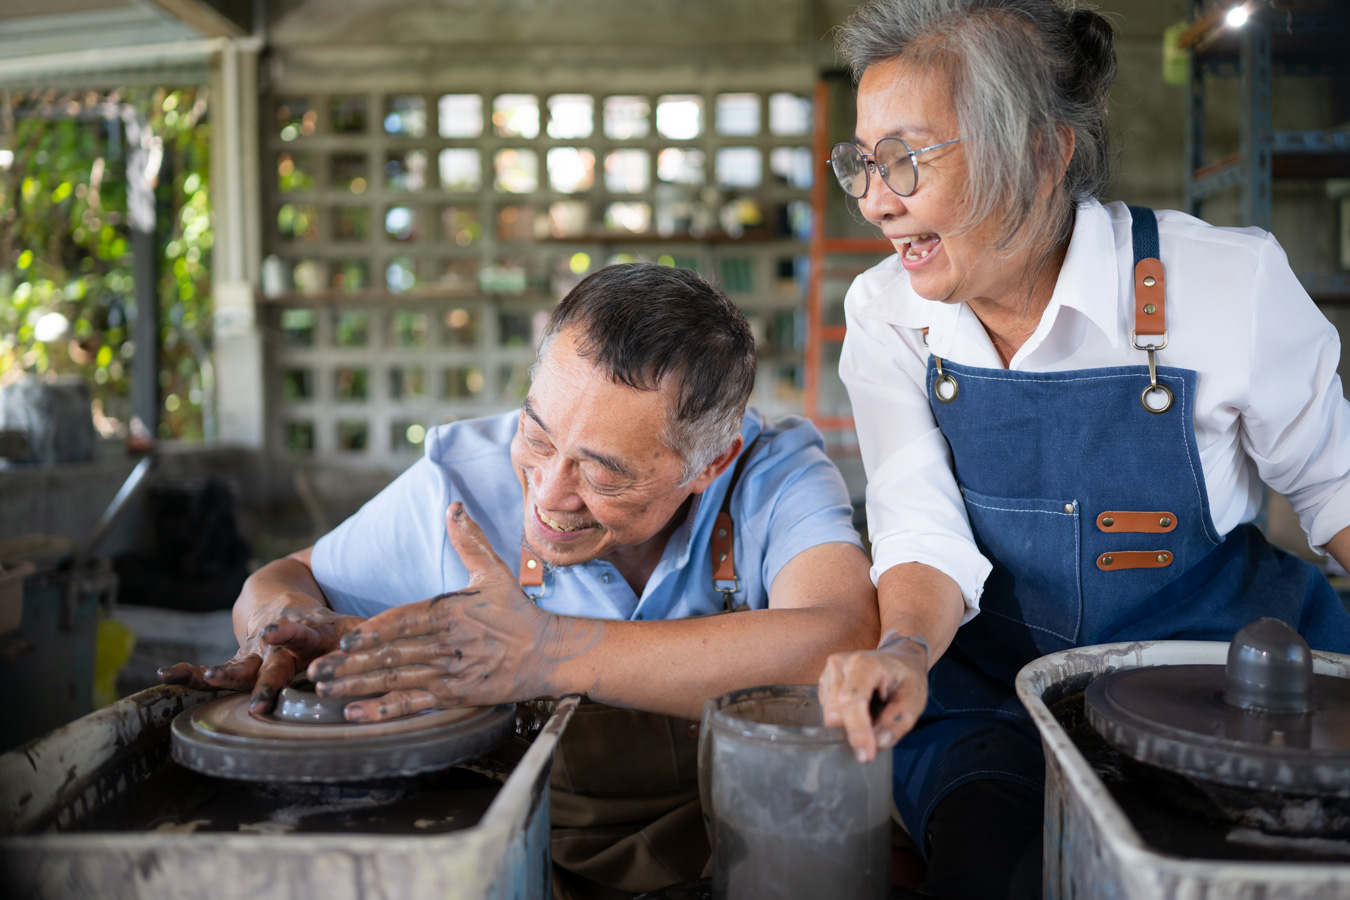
1137, 522
723, 549
1150, 313
1134, 559
531, 569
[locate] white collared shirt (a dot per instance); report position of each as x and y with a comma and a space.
1269, 404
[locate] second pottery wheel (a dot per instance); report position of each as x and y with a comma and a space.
1263, 722
305, 740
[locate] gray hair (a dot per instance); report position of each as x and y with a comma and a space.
1019, 72
651, 326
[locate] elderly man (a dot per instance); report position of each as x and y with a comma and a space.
640, 498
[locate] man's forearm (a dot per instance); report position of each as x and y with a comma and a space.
672, 667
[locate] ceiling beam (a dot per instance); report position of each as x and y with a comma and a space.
201, 16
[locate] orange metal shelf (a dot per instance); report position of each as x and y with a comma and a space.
818, 334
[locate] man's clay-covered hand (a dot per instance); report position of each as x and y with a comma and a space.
896, 674
485, 644
281, 644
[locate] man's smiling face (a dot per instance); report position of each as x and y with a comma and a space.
596, 474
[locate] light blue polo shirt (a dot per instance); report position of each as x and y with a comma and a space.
395, 549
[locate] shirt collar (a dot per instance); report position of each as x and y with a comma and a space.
1089, 279
1088, 282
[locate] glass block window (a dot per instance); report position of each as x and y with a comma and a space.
679, 117
459, 116
738, 167
516, 171
680, 166
460, 171
570, 169
295, 117
627, 118
352, 328
295, 172
400, 223
348, 115
351, 223
406, 171
627, 171
738, 114
423, 235
789, 114
406, 116
792, 166
461, 225
516, 115
348, 172
571, 116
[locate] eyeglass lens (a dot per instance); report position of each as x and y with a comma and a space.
893, 164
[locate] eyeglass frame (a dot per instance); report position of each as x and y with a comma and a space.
870, 164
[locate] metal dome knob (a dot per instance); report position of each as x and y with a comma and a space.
1269, 669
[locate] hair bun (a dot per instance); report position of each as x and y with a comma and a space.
1094, 40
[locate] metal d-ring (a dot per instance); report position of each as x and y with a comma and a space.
1153, 386
944, 379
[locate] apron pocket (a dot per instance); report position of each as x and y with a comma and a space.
1034, 547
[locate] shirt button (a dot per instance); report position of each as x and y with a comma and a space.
605, 578
693, 729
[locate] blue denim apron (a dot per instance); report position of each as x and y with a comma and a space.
1043, 459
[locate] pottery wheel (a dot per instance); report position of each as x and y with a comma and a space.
1233, 725
304, 740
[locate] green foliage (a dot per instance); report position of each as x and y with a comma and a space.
65, 247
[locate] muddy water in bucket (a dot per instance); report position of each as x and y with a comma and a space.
794, 816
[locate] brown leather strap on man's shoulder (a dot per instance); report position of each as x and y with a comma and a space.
724, 534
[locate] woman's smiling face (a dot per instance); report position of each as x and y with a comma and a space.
946, 260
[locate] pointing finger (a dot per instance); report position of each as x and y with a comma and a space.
275, 673
473, 547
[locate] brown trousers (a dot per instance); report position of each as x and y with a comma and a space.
625, 804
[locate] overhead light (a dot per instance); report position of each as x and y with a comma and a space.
1237, 16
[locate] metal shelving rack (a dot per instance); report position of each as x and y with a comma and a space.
1279, 38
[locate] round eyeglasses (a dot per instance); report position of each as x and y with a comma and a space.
893, 160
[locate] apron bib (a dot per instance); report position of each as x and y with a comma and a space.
1084, 490
625, 804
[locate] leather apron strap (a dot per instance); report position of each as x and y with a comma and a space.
1150, 305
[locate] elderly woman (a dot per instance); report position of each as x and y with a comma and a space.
1066, 412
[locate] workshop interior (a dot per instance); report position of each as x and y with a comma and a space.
256, 255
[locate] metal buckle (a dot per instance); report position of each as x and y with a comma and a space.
526, 592
944, 378
728, 605
1135, 341
1153, 385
